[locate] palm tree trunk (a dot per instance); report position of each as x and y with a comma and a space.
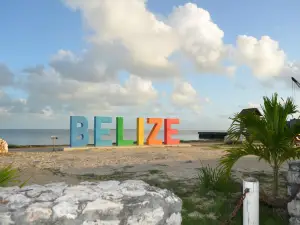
275, 184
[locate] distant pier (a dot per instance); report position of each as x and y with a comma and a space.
212, 135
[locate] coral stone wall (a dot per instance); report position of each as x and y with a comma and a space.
293, 179
131, 202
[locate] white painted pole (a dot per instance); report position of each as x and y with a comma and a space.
251, 202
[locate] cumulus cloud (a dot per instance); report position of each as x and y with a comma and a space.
124, 36
185, 96
145, 42
6, 76
9, 105
200, 38
49, 91
283, 80
264, 56
150, 41
291, 69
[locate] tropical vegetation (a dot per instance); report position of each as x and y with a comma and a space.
269, 137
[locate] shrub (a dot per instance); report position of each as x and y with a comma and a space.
216, 179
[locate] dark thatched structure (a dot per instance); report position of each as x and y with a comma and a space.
251, 110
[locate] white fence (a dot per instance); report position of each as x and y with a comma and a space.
251, 201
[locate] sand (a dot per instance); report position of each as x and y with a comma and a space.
96, 158
175, 162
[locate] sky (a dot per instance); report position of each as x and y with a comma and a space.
200, 61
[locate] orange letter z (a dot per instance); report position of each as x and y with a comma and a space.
153, 133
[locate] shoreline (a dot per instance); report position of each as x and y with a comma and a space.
14, 146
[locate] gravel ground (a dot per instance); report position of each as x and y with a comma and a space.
176, 162
93, 158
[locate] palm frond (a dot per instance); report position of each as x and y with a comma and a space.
234, 154
276, 139
269, 137
8, 175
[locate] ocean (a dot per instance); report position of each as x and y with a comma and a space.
42, 136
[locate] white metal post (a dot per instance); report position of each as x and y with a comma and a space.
251, 201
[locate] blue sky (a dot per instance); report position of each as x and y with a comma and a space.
33, 31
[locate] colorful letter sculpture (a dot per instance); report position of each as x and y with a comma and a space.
99, 131
154, 132
120, 133
140, 133
79, 135
169, 131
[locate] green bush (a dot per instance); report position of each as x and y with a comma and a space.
216, 179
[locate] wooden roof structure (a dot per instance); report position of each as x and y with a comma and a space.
251, 110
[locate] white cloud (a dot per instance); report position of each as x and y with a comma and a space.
200, 38
264, 56
145, 41
124, 36
283, 80
6, 76
291, 69
141, 43
49, 90
253, 105
185, 96
90, 66
8, 104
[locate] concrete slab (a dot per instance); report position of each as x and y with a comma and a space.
123, 147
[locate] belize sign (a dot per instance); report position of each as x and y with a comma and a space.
79, 135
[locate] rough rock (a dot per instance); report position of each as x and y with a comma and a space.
130, 202
3, 146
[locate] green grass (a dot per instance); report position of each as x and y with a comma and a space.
211, 199
216, 208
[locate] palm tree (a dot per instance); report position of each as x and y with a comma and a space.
270, 137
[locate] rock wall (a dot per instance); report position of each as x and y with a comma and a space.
293, 179
130, 202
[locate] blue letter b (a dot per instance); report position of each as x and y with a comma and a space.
81, 131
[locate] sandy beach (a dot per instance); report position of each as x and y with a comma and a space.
44, 165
